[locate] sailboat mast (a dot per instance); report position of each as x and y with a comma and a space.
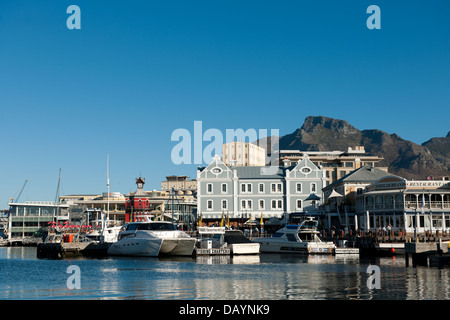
107, 181
57, 196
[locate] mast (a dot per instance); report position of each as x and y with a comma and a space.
57, 196
107, 180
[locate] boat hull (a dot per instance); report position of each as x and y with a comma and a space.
297, 247
178, 246
245, 248
136, 247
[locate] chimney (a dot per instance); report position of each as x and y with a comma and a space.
286, 162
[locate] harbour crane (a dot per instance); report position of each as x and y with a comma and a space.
17, 197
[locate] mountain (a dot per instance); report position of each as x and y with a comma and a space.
404, 158
440, 149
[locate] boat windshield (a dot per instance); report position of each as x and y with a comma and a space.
155, 226
309, 224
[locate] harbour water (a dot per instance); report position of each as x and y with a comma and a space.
263, 277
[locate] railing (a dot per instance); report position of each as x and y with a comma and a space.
434, 205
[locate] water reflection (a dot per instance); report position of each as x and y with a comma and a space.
265, 276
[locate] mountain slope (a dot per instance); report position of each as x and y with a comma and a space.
403, 157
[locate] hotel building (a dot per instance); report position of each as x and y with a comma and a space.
336, 164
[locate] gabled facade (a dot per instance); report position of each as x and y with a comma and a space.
242, 192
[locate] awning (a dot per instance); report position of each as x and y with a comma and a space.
334, 194
312, 197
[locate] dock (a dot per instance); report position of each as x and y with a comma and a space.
211, 251
345, 250
427, 253
60, 250
13, 242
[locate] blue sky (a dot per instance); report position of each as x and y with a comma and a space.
138, 70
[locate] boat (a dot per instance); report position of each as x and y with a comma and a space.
303, 238
108, 232
151, 239
240, 244
220, 241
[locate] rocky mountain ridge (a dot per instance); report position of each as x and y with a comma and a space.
404, 158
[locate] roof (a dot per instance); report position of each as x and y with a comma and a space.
365, 174
260, 172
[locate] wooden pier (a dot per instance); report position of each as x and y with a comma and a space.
60, 250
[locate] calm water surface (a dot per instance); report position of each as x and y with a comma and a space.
268, 277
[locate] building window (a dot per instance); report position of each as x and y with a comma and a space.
224, 188
243, 202
299, 188
277, 187
261, 188
313, 187
209, 205
280, 204
349, 164
274, 204
249, 204
246, 188
299, 204
224, 204
209, 188
261, 205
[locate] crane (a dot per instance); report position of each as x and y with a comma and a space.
17, 197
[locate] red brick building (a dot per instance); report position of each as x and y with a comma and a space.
137, 204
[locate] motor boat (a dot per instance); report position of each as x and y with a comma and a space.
151, 239
303, 238
240, 244
109, 233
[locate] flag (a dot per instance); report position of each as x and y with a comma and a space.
262, 223
221, 222
200, 220
228, 219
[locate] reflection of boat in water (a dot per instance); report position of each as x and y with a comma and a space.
303, 238
151, 239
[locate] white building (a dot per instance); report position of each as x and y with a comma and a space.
243, 154
405, 205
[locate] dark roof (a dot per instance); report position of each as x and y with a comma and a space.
365, 174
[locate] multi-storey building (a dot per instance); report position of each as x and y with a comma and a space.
28, 217
336, 164
241, 153
242, 192
405, 205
